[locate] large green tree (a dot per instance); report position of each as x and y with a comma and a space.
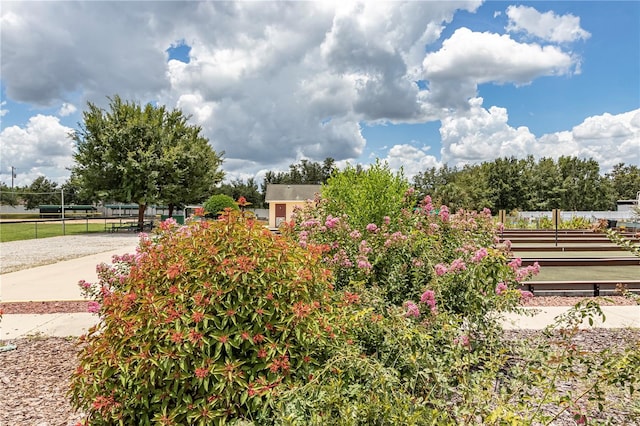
41, 191
545, 186
625, 181
74, 193
583, 186
144, 155
191, 168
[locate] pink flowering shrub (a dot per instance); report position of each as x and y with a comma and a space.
423, 249
204, 324
387, 255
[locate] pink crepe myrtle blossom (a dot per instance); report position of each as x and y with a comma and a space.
331, 222
355, 234
168, 224
500, 227
396, 237
427, 205
364, 264
412, 309
387, 220
526, 295
528, 271
429, 299
444, 213
462, 340
364, 247
457, 265
310, 223
501, 288
515, 263
440, 269
372, 227
479, 255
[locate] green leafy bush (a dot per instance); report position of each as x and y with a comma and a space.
216, 204
207, 323
576, 222
366, 195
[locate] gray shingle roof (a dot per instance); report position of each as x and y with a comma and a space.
285, 192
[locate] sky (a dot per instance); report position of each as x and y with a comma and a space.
417, 84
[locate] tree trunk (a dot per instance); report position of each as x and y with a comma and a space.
171, 206
141, 210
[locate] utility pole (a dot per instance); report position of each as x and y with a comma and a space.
13, 176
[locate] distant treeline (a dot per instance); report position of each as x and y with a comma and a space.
568, 183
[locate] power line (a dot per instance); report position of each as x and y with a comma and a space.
30, 193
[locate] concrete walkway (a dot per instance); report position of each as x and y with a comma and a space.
59, 282
55, 282
615, 317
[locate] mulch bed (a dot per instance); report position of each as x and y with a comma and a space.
62, 307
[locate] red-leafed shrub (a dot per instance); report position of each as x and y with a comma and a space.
206, 323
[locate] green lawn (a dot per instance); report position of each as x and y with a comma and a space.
25, 231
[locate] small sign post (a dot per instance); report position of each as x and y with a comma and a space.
556, 222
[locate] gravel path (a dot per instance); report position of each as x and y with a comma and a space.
17, 255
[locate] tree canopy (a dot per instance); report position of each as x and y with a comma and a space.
41, 191
143, 155
238, 188
568, 183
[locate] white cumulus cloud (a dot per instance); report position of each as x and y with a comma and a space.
42, 147
547, 26
412, 160
481, 134
67, 109
469, 58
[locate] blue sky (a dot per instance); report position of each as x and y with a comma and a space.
416, 84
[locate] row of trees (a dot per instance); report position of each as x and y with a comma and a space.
570, 183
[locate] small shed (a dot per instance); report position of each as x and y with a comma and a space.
283, 198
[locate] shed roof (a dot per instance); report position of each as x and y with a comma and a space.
287, 192
68, 207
